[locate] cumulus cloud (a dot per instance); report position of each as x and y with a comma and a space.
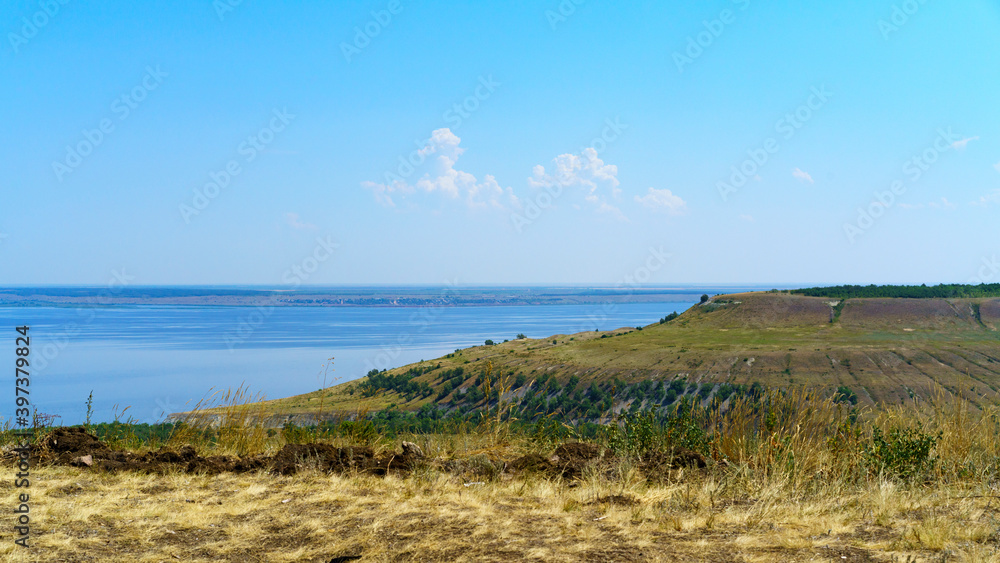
294, 222
597, 181
662, 200
437, 159
801, 175
961, 144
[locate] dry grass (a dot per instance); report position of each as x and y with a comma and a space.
788, 483
434, 516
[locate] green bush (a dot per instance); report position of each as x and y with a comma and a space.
903, 453
669, 318
635, 435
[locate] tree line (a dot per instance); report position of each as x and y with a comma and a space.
940, 291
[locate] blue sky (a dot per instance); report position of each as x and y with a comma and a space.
555, 142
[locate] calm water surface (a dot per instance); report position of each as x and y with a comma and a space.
158, 360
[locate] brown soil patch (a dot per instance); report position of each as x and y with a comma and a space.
571, 459
532, 463
74, 446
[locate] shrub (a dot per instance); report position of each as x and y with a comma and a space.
572, 383
670, 396
669, 318
635, 436
685, 432
903, 453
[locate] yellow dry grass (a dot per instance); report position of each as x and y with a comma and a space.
434, 516
785, 487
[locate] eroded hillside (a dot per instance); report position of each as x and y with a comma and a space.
882, 350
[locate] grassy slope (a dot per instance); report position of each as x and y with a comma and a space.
886, 350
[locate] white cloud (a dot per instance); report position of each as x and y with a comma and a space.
588, 173
960, 145
586, 170
992, 197
663, 200
801, 175
438, 157
294, 222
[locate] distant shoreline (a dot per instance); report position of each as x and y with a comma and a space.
348, 297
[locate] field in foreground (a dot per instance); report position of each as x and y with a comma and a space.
431, 516
775, 477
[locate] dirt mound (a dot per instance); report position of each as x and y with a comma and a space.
532, 463
68, 443
572, 458
324, 457
75, 447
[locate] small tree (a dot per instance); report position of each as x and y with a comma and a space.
520, 336
704, 298
489, 342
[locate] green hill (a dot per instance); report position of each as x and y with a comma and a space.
873, 350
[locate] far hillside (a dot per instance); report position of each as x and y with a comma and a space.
862, 350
